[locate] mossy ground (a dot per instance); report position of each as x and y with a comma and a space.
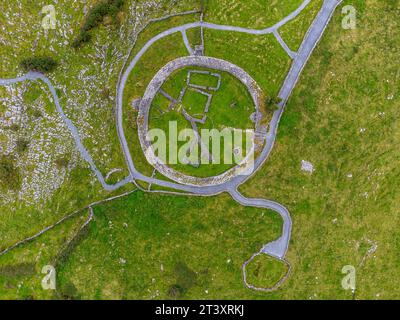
265, 271
342, 117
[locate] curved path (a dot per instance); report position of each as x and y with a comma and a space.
32, 76
277, 248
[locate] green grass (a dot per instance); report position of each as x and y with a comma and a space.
261, 56
146, 244
156, 57
350, 202
20, 269
250, 14
264, 271
231, 107
203, 80
194, 36
294, 31
160, 104
339, 213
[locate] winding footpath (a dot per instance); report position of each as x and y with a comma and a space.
277, 248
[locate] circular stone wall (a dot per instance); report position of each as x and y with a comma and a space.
245, 167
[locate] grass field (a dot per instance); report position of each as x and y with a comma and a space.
294, 31
343, 118
86, 78
261, 56
151, 244
251, 13
157, 56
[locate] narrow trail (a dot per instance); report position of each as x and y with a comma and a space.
279, 247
